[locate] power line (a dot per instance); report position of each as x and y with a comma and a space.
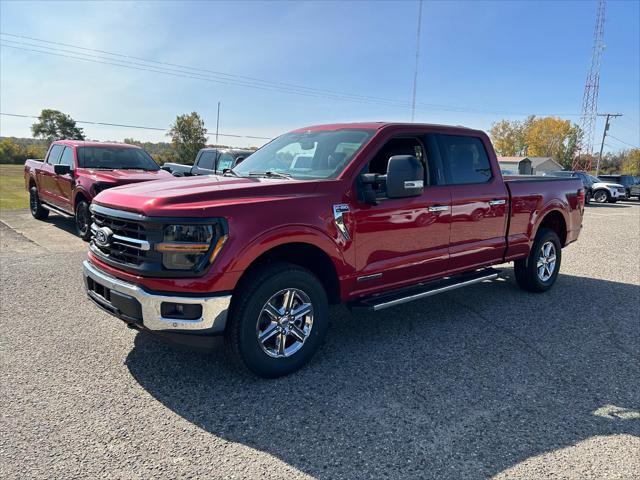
108, 124
622, 141
125, 61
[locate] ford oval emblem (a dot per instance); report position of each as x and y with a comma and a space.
102, 236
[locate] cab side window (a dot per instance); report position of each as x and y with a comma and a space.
399, 146
67, 157
54, 155
207, 159
464, 159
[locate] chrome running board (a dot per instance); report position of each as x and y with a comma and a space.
424, 290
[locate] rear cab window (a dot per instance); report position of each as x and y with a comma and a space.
464, 159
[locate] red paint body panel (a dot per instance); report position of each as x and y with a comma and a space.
399, 238
62, 191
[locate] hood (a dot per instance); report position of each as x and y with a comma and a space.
197, 196
608, 185
121, 177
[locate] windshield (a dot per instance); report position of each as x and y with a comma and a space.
307, 155
595, 179
116, 158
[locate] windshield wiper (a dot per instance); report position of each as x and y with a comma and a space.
270, 174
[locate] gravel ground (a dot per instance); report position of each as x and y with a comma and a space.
487, 381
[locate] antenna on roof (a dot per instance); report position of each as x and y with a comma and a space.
415, 70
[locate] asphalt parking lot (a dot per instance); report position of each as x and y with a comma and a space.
483, 382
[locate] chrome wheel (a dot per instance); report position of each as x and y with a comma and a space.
546, 261
284, 323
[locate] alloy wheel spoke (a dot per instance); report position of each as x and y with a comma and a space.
301, 311
268, 332
287, 300
297, 333
281, 342
272, 312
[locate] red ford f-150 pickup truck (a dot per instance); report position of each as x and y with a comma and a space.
369, 214
75, 171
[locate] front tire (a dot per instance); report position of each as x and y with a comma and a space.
35, 207
83, 220
600, 196
539, 271
278, 320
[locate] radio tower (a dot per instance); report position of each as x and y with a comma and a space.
590, 97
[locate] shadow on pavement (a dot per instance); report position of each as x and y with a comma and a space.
465, 385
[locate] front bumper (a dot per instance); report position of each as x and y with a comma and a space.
137, 307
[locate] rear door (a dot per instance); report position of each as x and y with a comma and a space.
45, 175
479, 201
205, 165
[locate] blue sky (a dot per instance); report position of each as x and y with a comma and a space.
477, 60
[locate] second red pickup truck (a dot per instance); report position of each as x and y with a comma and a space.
369, 214
75, 171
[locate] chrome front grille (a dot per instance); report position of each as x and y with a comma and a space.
125, 239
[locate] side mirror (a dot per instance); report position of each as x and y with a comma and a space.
166, 168
62, 169
405, 177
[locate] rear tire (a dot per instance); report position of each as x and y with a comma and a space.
83, 220
539, 271
35, 207
263, 330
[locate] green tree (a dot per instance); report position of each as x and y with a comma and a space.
11, 152
537, 137
54, 125
509, 137
188, 135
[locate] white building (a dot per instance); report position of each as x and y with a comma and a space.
528, 165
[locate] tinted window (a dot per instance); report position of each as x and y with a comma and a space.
67, 157
464, 159
207, 159
225, 161
116, 158
54, 154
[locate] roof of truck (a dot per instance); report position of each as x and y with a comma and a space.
376, 126
83, 143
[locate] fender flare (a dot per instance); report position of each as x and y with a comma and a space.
539, 216
278, 236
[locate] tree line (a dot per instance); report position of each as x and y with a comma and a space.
188, 135
534, 136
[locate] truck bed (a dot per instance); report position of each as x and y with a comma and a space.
531, 197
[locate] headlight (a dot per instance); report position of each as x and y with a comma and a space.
191, 247
99, 187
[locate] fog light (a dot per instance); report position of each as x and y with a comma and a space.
181, 311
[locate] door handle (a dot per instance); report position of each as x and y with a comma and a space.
439, 208
493, 203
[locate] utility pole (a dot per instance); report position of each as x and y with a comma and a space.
415, 70
604, 134
217, 123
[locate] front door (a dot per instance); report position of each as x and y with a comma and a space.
401, 241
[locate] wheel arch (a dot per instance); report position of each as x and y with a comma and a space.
305, 255
554, 220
